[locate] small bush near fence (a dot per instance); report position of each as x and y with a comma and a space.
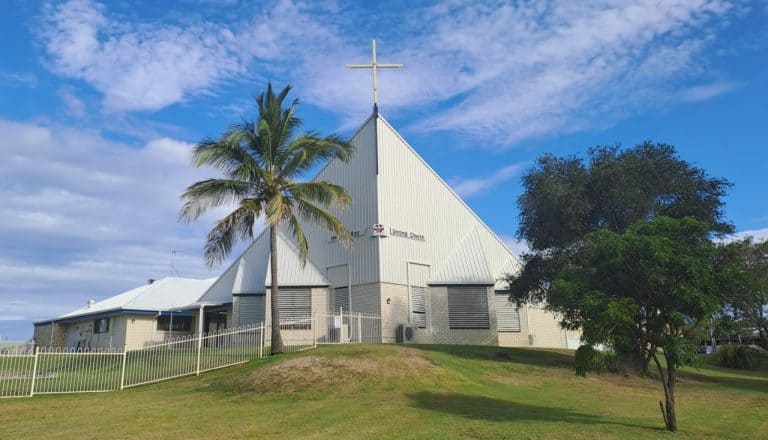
588, 359
742, 357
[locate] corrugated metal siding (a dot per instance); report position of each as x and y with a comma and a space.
468, 307
358, 177
466, 264
507, 314
290, 271
415, 199
251, 309
221, 290
252, 267
366, 298
253, 273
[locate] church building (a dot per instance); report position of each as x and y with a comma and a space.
422, 262
421, 259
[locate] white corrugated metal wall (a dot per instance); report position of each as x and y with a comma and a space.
358, 178
415, 199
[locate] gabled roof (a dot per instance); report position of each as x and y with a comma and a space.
164, 294
466, 264
250, 272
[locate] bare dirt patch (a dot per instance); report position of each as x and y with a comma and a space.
317, 372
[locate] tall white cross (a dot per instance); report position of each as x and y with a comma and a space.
374, 66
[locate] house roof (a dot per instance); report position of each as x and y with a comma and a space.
164, 294
466, 264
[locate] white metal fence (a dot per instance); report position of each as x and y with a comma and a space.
26, 370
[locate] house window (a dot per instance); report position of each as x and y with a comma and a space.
169, 323
295, 308
507, 314
419, 306
101, 325
468, 307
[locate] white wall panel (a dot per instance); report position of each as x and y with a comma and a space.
415, 199
358, 177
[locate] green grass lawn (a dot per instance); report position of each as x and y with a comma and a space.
390, 391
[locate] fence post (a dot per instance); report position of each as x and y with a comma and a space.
341, 324
122, 370
263, 337
199, 351
34, 374
314, 330
359, 328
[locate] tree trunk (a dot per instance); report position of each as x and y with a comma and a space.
668, 382
277, 339
670, 415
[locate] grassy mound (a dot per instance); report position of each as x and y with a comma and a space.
313, 372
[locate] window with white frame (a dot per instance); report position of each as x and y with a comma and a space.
101, 325
468, 307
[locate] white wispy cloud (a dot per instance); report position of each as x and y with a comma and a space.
136, 66
471, 187
73, 105
18, 79
84, 217
500, 72
706, 91
755, 234
517, 246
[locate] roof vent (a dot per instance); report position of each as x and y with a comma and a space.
150, 281
90, 303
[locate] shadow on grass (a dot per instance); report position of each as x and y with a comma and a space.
486, 408
745, 383
529, 356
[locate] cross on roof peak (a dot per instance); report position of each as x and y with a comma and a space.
374, 66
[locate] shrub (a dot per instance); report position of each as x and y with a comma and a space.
590, 359
742, 357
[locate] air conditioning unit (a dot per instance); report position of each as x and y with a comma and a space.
406, 333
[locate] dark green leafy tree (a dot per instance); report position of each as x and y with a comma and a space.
748, 302
262, 162
664, 276
566, 198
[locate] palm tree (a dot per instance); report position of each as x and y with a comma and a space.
262, 162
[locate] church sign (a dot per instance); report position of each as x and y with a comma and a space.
378, 230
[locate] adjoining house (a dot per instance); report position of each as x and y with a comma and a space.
131, 319
422, 260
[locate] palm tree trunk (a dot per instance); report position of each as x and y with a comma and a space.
277, 340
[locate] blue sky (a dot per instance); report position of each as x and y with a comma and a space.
100, 103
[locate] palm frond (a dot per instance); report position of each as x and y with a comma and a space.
278, 209
301, 240
324, 193
238, 225
227, 155
211, 193
310, 150
317, 215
